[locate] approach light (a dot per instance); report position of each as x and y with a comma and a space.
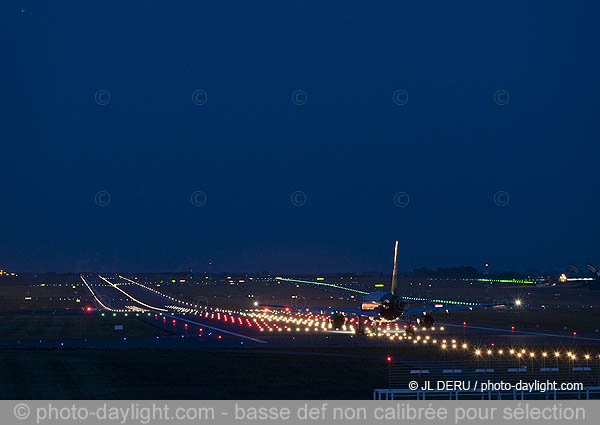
517, 302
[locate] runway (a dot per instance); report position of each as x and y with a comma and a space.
215, 327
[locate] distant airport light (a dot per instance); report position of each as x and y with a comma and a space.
517, 302
389, 359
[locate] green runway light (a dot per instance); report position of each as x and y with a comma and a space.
324, 284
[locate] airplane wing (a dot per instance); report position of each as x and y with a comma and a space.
320, 310
443, 307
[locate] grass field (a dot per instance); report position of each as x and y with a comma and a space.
23, 326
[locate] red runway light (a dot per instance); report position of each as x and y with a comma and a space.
389, 359
464, 323
88, 309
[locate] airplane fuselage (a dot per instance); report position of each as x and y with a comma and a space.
389, 306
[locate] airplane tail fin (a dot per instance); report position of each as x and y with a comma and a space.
395, 275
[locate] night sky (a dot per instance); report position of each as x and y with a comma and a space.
298, 136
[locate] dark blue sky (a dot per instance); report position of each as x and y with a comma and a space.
500, 102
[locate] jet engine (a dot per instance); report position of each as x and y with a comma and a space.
338, 321
425, 321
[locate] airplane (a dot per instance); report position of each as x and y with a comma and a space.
391, 306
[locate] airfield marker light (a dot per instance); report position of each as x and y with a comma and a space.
556, 354
517, 302
569, 354
532, 354
489, 352
88, 308
477, 352
501, 351
587, 356
512, 351
512, 328
519, 355
464, 346
464, 323
574, 333
443, 346
544, 354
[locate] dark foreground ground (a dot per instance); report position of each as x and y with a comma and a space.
190, 374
